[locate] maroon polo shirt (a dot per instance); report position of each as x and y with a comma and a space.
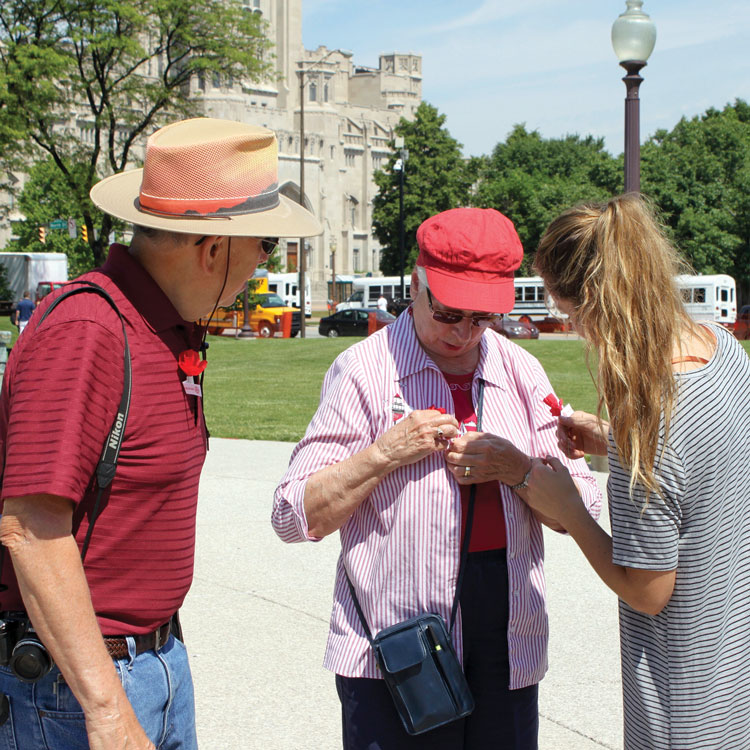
60, 394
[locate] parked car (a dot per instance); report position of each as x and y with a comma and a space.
742, 324
516, 329
354, 322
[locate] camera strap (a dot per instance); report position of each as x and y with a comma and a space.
105, 469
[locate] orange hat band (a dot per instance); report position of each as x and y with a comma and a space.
210, 207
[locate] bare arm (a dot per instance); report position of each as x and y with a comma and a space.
37, 532
335, 492
554, 494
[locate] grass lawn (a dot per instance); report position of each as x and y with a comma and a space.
268, 389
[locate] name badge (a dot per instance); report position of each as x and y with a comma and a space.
191, 387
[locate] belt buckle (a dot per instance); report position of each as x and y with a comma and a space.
158, 642
157, 639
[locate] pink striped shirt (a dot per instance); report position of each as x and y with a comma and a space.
401, 545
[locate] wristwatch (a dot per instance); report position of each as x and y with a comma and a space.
524, 483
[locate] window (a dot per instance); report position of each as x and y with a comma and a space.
540, 292
699, 294
355, 252
724, 295
529, 294
519, 294
313, 91
325, 92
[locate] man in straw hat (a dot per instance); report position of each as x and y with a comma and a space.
95, 640
410, 420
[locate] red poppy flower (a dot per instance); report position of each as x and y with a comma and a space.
191, 363
555, 404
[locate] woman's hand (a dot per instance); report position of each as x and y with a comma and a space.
552, 493
582, 433
487, 457
416, 436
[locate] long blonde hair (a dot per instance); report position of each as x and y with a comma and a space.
614, 263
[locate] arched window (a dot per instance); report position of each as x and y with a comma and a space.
313, 92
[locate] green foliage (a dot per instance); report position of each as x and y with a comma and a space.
5, 291
123, 68
436, 178
44, 198
532, 179
699, 176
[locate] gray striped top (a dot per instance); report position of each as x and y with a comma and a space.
686, 671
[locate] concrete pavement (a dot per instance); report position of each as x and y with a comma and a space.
256, 621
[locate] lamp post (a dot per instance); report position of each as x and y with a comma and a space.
334, 300
245, 332
633, 39
400, 167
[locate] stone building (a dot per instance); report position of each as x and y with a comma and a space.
349, 113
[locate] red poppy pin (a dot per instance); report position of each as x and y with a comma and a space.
191, 363
555, 404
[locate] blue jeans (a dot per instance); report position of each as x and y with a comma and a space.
47, 716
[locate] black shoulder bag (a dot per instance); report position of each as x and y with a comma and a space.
416, 657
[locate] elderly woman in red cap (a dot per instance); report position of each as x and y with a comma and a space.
419, 455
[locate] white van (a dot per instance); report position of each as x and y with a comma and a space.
367, 290
286, 285
711, 297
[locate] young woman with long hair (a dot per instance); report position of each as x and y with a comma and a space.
677, 395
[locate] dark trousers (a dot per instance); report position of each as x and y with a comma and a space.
502, 720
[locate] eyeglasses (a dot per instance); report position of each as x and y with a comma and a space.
452, 318
269, 245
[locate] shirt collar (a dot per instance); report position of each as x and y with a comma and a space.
410, 357
142, 291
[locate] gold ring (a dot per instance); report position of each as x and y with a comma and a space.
467, 471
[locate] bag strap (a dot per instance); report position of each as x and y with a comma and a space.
107, 466
464, 544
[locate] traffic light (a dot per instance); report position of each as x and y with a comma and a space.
84, 233
42, 235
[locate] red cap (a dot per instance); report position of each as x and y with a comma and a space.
470, 255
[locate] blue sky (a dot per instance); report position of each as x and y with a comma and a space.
489, 64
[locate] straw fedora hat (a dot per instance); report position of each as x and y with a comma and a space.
207, 176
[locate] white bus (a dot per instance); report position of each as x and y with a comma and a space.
530, 298
710, 298
286, 285
366, 291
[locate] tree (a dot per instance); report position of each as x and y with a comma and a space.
436, 179
83, 81
532, 179
699, 176
44, 198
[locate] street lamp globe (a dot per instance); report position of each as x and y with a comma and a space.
633, 33
633, 39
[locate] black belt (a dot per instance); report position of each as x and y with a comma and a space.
117, 645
